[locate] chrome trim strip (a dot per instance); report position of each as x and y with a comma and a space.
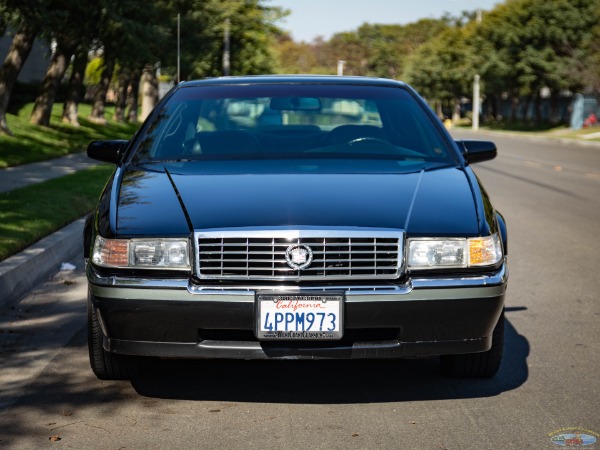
133, 282
349, 290
191, 290
298, 232
499, 277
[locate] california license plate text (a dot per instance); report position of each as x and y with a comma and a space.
299, 317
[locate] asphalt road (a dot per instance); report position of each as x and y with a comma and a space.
548, 382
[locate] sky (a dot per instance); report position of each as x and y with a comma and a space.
311, 18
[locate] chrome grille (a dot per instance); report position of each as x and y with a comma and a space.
261, 254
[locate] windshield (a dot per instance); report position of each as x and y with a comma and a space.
331, 127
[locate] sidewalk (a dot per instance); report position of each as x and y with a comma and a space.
21, 176
23, 271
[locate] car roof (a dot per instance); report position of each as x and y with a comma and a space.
295, 79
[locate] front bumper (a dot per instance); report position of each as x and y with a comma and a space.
177, 319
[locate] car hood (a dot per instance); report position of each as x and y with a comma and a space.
427, 203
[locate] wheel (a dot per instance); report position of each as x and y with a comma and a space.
105, 365
477, 365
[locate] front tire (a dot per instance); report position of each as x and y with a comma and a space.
105, 365
478, 365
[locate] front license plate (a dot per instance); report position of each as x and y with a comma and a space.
299, 316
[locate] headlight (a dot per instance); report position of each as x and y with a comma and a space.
442, 253
142, 253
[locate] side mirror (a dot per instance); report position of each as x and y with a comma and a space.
477, 151
107, 151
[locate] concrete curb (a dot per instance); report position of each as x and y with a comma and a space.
23, 271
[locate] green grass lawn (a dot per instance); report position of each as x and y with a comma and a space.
33, 212
32, 143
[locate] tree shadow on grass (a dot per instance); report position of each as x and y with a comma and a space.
32, 143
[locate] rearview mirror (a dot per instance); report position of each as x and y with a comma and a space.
295, 104
477, 151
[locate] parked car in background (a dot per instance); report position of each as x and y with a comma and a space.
292, 217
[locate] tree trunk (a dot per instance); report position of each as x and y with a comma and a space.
13, 63
119, 115
44, 102
149, 91
554, 115
97, 114
71, 106
438, 109
538, 108
456, 111
498, 107
132, 97
526, 108
513, 108
487, 108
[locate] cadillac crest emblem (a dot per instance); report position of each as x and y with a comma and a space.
299, 256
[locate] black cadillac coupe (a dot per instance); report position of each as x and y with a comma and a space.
290, 217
